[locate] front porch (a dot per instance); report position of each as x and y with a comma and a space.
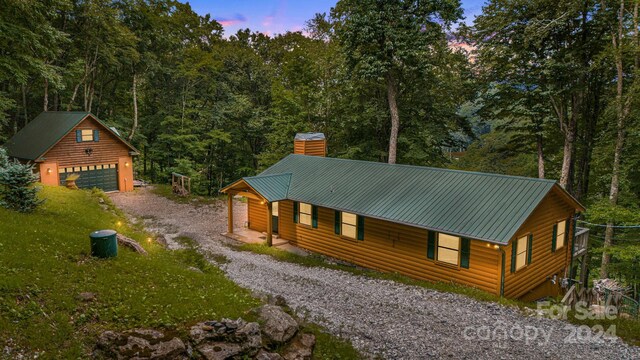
249, 236
267, 190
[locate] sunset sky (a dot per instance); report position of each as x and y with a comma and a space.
279, 16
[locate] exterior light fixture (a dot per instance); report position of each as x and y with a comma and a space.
48, 170
126, 164
496, 247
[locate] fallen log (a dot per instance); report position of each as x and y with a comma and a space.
130, 243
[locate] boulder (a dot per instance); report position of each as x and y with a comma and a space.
301, 348
140, 344
277, 326
226, 339
265, 355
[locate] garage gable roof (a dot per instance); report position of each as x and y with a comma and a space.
482, 206
46, 130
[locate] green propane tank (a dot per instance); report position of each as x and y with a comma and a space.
104, 244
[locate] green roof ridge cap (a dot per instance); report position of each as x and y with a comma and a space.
430, 168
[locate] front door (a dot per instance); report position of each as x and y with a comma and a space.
274, 217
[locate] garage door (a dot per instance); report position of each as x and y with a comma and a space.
104, 176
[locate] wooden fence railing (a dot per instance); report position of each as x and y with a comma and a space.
180, 184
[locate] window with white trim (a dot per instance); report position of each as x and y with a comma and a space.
521, 252
86, 135
560, 235
349, 225
448, 249
304, 211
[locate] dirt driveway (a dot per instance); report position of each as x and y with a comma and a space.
381, 318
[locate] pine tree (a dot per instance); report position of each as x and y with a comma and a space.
16, 185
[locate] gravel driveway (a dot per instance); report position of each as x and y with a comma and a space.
381, 318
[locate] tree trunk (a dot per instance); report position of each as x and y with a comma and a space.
46, 95
73, 96
392, 94
540, 157
135, 108
622, 109
24, 104
567, 158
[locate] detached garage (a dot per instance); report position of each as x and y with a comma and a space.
62, 143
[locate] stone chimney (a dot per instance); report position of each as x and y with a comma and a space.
310, 143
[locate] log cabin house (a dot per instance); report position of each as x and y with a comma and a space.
62, 143
507, 235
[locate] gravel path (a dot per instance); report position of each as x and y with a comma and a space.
381, 318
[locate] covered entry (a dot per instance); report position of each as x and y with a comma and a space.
268, 191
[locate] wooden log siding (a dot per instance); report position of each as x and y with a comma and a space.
69, 152
389, 247
257, 215
544, 262
310, 147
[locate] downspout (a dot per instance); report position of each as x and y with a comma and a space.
502, 272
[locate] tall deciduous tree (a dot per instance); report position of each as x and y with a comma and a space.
624, 39
387, 41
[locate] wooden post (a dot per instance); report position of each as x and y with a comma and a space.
230, 217
269, 223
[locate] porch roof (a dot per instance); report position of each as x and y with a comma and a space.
270, 187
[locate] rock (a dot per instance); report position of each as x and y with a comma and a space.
139, 344
194, 269
278, 326
301, 348
220, 350
227, 338
278, 300
87, 296
265, 355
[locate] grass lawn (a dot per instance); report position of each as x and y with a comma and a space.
45, 264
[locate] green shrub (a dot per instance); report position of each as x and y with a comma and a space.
17, 190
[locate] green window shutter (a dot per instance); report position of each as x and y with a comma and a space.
295, 212
431, 245
465, 251
514, 254
337, 221
360, 227
96, 135
78, 135
314, 216
553, 238
529, 248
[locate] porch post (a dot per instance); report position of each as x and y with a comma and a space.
230, 217
269, 223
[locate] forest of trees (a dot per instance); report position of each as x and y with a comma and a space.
541, 88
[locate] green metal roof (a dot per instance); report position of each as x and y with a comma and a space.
272, 187
488, 207
43, 132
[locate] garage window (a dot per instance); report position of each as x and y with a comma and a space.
87, 135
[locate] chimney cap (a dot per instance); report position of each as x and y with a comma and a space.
310, 136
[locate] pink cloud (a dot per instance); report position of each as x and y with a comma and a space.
235, 19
